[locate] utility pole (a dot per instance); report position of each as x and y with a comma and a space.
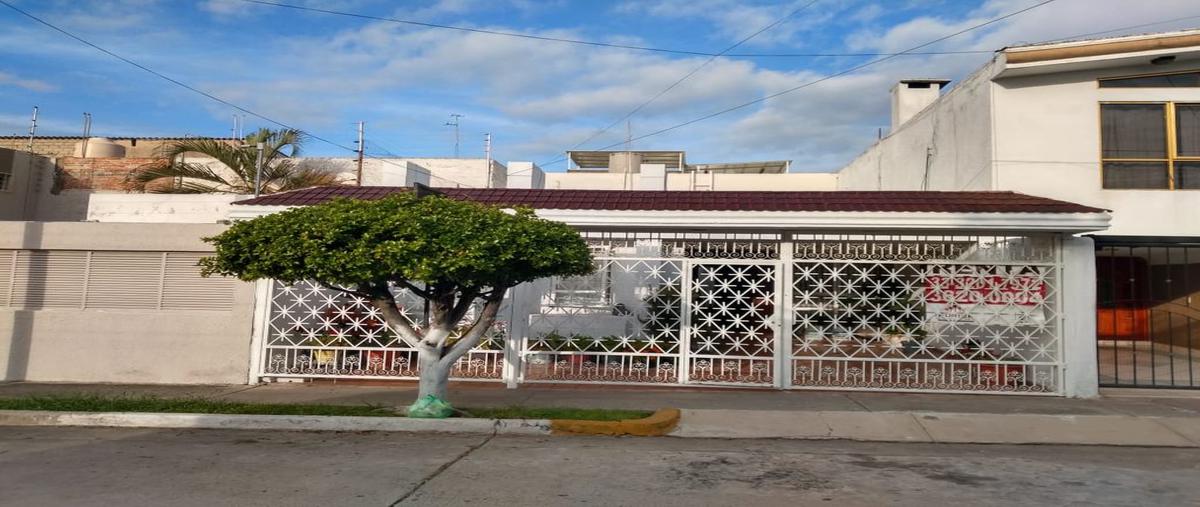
258, 170
87, 133
454, 123
358, 178
30, 175
487, 155
32, 130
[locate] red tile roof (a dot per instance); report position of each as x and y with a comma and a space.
649, 200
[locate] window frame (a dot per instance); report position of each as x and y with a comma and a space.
1172, 138
1100, 81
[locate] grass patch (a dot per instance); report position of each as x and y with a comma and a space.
585, 414
101, 403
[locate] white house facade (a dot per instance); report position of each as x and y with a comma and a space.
1111, 123
899, 291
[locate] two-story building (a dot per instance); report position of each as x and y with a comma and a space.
1112, 123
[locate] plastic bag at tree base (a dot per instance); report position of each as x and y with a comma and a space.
430, 407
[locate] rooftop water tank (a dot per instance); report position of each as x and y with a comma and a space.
99, 147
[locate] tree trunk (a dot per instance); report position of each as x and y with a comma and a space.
437, 359
435, 375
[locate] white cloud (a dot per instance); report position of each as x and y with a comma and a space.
540, 98
550, 96
1052, 21
223, 7
734, 20
32, 85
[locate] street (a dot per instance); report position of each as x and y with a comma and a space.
110, 467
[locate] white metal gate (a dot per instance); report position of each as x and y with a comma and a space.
931, 313
733, 325
878, 312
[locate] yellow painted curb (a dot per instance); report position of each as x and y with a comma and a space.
656, 425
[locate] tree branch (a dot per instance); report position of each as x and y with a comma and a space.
381, 298
472, 337
464, 305
495, 292
351, 292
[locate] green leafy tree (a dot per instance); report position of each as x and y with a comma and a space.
174, 173
454, 254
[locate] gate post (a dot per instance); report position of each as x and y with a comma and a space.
259, 328
1078, 317
685, 321
784, 313
515, 338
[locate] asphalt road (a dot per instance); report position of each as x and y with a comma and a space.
127, 467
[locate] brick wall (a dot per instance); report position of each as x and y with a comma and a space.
44, 147
98, 173
65, 147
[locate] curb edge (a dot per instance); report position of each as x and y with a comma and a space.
658, 424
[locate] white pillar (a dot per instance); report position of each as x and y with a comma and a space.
1078, 296
518, 328
263, 292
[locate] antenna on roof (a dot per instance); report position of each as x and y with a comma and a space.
32, 130
454, 123
87, 133
628, 136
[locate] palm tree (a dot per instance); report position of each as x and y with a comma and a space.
174, 174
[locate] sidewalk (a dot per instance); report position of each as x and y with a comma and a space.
1156, 418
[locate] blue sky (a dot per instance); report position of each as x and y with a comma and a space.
322, 73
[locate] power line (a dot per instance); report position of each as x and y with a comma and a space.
544, 38
710, 59
382, 148
161, 75
816, 81
194, 89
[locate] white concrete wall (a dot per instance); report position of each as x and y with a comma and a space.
651, 177
437, 172
1048, 144
31, 177
131, 346
780, 182
65, 206
592, 181
463, 172
525, 175
161, 208
691, 181
954, 136
1078, 288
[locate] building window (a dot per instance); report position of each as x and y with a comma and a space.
1150, 145
1190, 79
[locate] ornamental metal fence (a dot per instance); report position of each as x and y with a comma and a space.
319, 332
936, 314
882, 312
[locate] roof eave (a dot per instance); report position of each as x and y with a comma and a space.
801, 220
840, 220
1069, 57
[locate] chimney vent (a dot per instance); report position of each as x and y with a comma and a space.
911, 96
